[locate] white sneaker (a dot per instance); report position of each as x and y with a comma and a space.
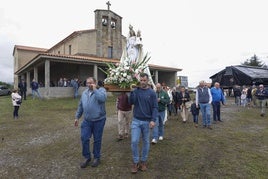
154, 141
161, 138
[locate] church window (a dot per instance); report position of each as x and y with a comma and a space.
113, 23
58, 52
110, 52
70, 49
104, 20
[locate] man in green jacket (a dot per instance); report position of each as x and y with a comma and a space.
163, 100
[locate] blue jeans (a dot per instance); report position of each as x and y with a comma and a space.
140, 128
216, 105
205, 110
195, 118
158, 129
36, 93
89, 128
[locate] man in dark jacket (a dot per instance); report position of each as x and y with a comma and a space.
35, 91
175, 94
237, 95
23, 89
144, 116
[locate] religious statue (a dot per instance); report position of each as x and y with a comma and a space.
131, 31
134, 51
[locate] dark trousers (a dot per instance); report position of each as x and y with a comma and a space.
16, 111
23, 94
176, 108
170, 107
216, 105
195, 118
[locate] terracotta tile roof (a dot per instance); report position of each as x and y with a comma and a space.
105, 60
71, 36
85, 59
28, 48
82, 57
68, 58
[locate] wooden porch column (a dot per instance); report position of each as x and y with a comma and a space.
156, 76
95, 71
35, 74
47, 74
28, 80
175, 78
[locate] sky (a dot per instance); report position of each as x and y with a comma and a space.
201, 37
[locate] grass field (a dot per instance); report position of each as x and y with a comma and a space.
44, 143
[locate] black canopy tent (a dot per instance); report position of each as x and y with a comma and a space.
241, 75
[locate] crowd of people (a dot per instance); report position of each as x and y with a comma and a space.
251, 96
148, 109
143, 111
75, 83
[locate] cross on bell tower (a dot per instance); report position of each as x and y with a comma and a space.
109, 33
108, 4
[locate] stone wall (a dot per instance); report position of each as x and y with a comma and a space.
59, 92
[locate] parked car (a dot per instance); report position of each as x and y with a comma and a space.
4, 90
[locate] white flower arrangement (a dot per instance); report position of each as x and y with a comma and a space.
126, 73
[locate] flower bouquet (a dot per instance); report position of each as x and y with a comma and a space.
121, 76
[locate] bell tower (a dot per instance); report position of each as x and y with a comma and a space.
109, 33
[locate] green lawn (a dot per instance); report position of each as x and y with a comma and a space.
43, 143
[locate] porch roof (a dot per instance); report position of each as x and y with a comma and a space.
82, 59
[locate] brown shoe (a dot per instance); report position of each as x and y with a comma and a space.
134, 168
142, 166
209, 127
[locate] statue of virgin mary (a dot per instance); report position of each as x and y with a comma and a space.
134, 51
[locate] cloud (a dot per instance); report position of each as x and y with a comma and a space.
6, 74
6, 59
200, 37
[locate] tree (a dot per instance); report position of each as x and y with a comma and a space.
6, 84
254, 61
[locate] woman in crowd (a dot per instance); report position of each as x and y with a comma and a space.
184, 103
16, 101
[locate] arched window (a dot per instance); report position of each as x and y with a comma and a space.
113, 23
104, 20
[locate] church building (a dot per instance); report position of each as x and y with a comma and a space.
79, 55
